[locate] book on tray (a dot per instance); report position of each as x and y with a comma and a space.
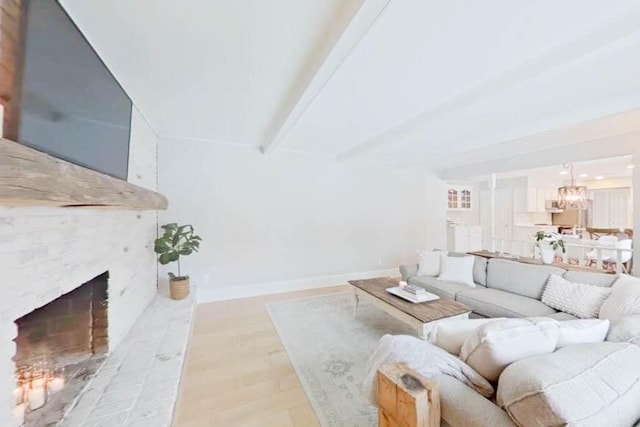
416, 290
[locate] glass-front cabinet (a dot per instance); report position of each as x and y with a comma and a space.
459, 197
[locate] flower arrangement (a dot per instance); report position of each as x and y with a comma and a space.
552, 239
549, 243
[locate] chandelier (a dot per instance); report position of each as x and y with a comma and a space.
572, 196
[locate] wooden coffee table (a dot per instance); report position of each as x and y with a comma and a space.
423, 317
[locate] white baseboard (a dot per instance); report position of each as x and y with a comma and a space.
257, 289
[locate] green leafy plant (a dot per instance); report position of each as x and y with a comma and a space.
553, 239
177, 241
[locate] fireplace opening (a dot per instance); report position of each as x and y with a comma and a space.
59, 347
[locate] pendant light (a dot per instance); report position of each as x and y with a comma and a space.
572, 196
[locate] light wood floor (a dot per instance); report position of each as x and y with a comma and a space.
237, 372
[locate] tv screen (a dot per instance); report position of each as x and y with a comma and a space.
70, 105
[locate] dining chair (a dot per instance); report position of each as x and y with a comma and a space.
575, 254
625, 257
607, 254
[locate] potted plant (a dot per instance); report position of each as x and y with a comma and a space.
177, 241
549, 244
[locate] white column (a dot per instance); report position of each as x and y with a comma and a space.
636, 212
492, 223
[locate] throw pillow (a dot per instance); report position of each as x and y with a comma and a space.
495, 345
580, 385
626, 329
458, 269
429, 262
624, 299
582, 331
450, 335
581, 300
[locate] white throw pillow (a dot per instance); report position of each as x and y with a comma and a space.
450, 335
458, 269
582, 331
581, 300
624, 299
429, 263
626, 329
495, 345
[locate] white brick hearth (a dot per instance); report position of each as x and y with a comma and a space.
137, 385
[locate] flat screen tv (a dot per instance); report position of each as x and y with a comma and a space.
69, 103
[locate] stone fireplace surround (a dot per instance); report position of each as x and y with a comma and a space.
49, 252
46, 252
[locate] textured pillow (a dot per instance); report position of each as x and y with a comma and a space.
582, 301
626, 329
451, 334
624, 299
457, 269
429, 262
495, 345
580, 385
582, 331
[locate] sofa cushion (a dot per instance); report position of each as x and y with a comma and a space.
582, 331
542, 390
495, 345
442, 288
581, 300
496, 303
429, 262
625, 329
461, 406
594, 279
452, 334
458, 269
480, 271
408, 270
561, 316
519, 278
624, 299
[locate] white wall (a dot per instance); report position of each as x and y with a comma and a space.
46, 252
292, 220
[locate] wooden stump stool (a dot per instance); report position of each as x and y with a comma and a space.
405, 399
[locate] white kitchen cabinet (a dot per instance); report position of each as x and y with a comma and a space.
459, 197
533, 199
464, 238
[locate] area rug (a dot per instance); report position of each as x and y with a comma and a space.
329, 350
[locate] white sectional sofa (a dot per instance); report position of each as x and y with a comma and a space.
604, 375
505, 288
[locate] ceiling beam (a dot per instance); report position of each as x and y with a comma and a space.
522, 72
552, 131
593, 149
316, 78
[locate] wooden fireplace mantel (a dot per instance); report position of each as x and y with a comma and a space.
31, 178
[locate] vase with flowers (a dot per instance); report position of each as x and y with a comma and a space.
549, 243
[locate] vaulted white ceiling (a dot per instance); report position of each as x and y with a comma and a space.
409, 82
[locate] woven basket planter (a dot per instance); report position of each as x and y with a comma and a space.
179, 287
